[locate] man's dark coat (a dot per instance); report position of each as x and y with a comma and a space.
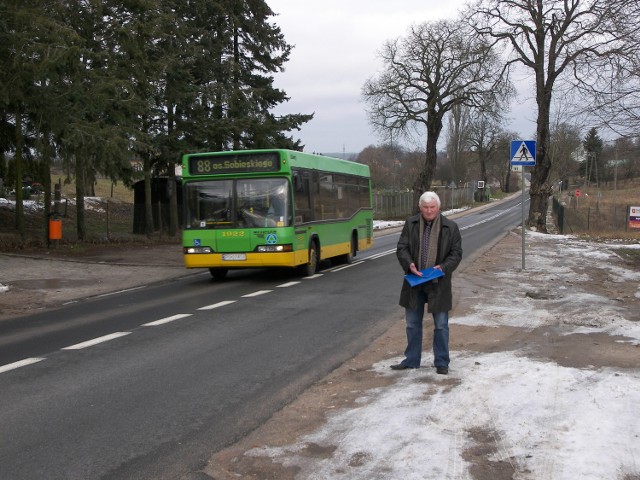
439, 296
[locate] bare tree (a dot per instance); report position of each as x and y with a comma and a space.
458, 140
564, 142
555, 39
437, 66
612, 84
485, 133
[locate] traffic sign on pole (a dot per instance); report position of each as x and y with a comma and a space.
523, 152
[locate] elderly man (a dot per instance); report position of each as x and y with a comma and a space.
428, 239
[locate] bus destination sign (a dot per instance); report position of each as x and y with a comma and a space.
239, 163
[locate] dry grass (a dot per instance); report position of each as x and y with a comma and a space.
601, 213
626, 193
103, 187
107, 221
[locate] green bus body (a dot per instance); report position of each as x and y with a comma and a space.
273, 208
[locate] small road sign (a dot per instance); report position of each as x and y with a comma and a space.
523, 152
577, 192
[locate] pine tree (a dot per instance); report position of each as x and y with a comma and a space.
593, 166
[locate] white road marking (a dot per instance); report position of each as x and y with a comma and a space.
121, 291
288, 284
347, 266
162, 321
485, 220
96, 341
217, 305
21, 363
381, 254
256, 294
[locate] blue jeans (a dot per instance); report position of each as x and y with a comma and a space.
414, 318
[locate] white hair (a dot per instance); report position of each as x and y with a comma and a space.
427, 197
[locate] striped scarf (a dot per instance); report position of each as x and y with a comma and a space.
429, 236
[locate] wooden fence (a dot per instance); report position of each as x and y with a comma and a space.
399, 205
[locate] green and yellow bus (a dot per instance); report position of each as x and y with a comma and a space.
273, 208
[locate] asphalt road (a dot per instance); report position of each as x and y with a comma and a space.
148, 383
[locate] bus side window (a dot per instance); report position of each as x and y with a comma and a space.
301, 197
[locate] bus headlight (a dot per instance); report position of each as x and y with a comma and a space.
275, 248
197, 250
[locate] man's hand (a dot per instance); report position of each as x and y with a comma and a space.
414, 270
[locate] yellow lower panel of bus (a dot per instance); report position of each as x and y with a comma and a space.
334, 250
253, 260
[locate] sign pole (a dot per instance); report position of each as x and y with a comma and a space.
523, 218
523, 153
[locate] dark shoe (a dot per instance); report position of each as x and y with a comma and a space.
399, 366
442, 370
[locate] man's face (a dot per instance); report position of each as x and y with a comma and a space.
429, 210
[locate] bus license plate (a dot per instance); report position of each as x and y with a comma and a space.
234, 256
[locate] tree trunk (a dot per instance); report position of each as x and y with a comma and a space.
18, 164
540, 190
148, 207
46, 159
172, 228
80, 184
173, 202
425, 177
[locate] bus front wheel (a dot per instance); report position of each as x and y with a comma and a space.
218, 273
309, 268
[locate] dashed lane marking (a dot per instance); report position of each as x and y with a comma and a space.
96, 341
288, 284
21, 363
256, 294
162, 321
217, 305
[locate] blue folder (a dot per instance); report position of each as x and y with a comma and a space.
428, 274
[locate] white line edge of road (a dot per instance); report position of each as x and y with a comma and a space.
96, 341
347, 266
121, 291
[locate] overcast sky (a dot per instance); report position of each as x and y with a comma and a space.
336, 45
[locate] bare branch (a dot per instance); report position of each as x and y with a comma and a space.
436, 67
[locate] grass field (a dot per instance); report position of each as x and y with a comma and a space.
601, 212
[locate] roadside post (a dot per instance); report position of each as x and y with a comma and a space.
523, 153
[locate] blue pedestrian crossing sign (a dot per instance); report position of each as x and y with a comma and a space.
523, 152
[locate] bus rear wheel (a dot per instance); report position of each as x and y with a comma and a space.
308, 269
218, 273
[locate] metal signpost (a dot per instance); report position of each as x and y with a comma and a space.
523, 153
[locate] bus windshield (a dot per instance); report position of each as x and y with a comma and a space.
238, 203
